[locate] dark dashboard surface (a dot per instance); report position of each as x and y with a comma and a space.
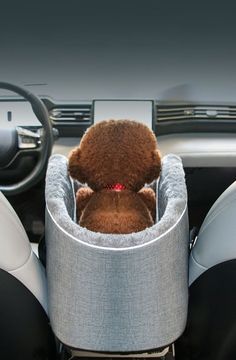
86, 49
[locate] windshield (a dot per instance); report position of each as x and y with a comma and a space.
84, 49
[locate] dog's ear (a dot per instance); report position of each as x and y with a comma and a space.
74, 163
156, 155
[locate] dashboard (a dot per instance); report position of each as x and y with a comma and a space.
16, 112
204, 135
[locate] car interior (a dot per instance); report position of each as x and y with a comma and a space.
166, 292
26, 146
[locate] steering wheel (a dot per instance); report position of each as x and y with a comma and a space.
15, 141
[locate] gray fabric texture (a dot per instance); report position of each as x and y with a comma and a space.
117, 292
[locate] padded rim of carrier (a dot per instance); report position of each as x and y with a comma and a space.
60, 201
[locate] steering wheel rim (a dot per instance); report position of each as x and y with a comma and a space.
41, 113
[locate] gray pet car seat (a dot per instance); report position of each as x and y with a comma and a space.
117, 293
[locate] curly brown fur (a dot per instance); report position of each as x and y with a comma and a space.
116, 212
83, 196
149, 198
112, 152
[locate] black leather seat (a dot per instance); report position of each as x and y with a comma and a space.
25, 332
211, 326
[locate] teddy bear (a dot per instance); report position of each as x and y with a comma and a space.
115, 159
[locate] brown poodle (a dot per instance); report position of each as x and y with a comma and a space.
116, 158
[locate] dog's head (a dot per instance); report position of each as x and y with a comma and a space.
113, 152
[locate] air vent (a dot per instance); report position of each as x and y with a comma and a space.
71, 115
194, 112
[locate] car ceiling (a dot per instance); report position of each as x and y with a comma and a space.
84, 49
